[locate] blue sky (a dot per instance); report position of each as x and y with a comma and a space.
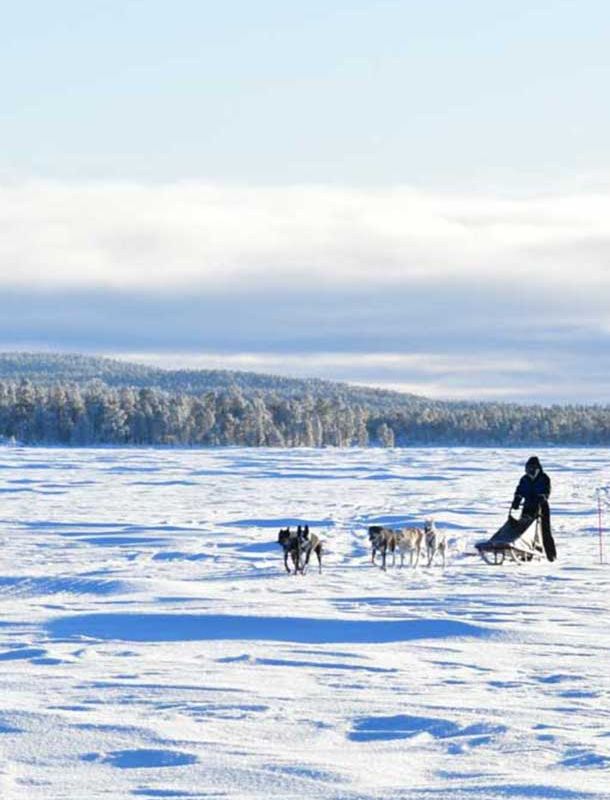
397, 193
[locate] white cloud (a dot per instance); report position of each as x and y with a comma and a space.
181, 235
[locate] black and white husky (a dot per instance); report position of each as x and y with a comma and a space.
299, 545
436, 541
383, 540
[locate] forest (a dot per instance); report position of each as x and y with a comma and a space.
82, 401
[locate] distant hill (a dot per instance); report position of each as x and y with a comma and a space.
47, 369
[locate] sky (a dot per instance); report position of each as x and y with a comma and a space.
401, 194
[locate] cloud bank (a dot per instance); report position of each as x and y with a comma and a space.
450, 294
178, 235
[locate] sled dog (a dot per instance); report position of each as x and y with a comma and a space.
299, 545
436, 542
382, 539
410, 540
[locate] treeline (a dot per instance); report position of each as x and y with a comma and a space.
93, 414
49, 369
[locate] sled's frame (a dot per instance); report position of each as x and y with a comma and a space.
494, 555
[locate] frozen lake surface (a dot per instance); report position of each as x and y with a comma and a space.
152, 646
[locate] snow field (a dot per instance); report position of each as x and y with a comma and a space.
151, 644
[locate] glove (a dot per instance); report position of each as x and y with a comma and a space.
516, 503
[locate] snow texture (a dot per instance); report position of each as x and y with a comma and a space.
152, 645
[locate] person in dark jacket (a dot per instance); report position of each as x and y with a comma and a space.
534, 490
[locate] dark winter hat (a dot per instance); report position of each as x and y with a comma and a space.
532, 463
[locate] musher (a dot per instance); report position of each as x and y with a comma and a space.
534, 490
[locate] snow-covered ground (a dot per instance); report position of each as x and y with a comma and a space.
151, 645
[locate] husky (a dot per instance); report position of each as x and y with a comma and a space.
298, 544
382, 539
436, 541
410, 540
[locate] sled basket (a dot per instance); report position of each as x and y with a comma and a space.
518, 539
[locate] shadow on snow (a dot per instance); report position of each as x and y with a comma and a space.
201, 627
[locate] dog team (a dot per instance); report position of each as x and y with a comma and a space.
408, 540
300, 544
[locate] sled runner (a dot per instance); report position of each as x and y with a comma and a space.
519, 539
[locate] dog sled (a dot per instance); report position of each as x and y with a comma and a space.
519, 540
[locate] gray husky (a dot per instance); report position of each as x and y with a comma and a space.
436, 541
